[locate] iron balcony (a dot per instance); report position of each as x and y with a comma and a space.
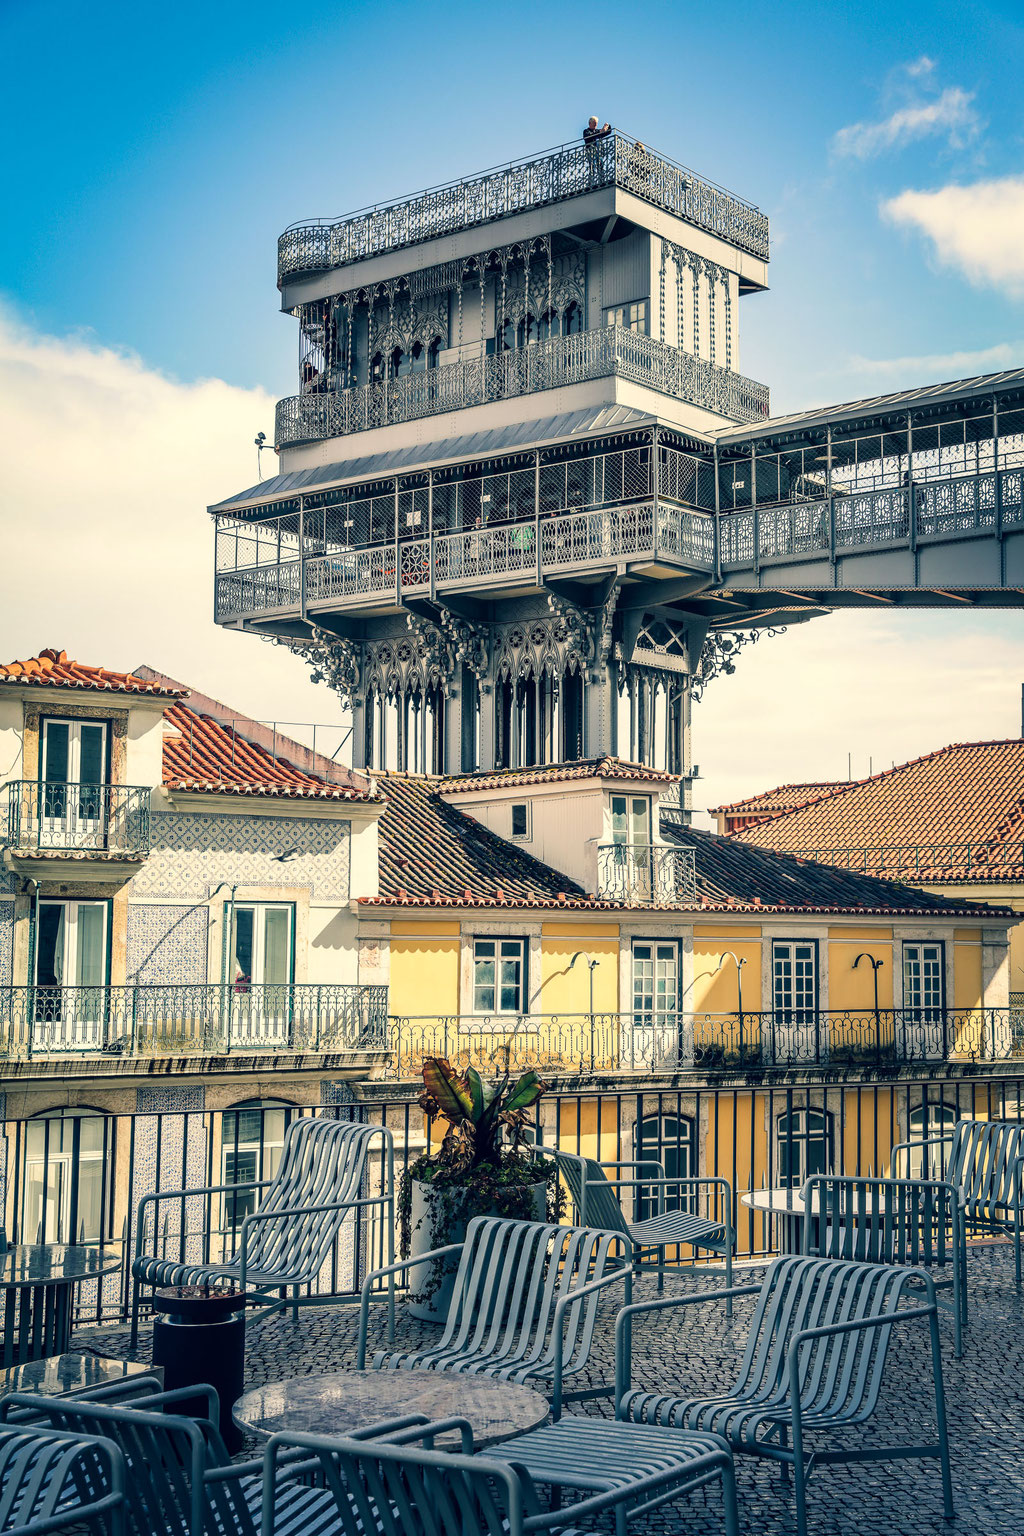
609, 351
568, 171
203, 1019
78, 819
647, 874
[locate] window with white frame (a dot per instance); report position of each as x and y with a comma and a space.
924, 979
669, 1140
929, 1122
499, 975
67, 1178
630, 317
804, 1144
795, 980
251, 1139
521, 820
262, 940
655, 982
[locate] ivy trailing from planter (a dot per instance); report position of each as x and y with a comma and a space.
479, 1168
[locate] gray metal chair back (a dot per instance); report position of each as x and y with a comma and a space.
51, 1482
166, 1457
882, 1221
596, 1201
403, 1491
983, 1163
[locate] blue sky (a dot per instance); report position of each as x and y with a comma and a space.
156, 153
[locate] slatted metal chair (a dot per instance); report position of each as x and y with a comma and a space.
523, 1306
52, 1482
285, 1243
986, 1164
814, 1360
913, 1222
596, 1199
393, 1490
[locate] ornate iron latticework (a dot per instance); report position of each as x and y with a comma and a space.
719, 651
331, 660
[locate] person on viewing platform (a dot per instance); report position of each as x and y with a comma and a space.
592, 132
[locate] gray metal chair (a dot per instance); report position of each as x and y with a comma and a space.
913, 1222
285, 1243
53, 1482
986, 1164
597, 1204
814, 1360
523, 1307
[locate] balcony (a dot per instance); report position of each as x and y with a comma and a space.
511, 553
670, 1041
200, 1020
608, 352
569, 170
647, 875
109, 821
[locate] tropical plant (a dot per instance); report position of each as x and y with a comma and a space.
478, 1114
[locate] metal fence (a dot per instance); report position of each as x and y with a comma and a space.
75, 818
647, 874
934, 861
80, 1174
203, 1019
568, 170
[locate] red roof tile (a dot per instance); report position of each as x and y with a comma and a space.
970, 793
783, 798
555, 773
201, 755
53, 669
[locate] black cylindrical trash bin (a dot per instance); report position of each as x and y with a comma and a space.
200, 1339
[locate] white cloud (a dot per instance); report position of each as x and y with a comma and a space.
919, 68
108, 550
950, 114
978, 229
936, 367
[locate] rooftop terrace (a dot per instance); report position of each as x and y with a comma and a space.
553, 176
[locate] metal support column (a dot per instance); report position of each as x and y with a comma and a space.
398, 574
718, 513
302, 557
432, 577
536, 512
753, 503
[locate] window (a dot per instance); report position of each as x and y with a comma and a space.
655, 983
499, 975
805, 1144
521, 820
924, 980
795, 981
668, 1140
73, 775
251, 1139
68, 1178
631, 317
572, 320
71, 959
928, 1121
261, 945
631, 820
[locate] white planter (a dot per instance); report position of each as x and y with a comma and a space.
421, 1240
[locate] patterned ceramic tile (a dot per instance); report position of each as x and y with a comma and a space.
167, 946
6, 942
194, 853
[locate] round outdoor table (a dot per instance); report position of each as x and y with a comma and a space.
37, 1282
786, 1204
343, 1401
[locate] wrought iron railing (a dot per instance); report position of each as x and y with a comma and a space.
931, 510
647, 875
575, 540
923, 861
203, 1019
676, 1041
76, 818
609, 351
567, 171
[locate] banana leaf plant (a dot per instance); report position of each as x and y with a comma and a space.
484, 1119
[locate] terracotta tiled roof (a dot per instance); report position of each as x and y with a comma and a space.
733, 875
971, 793
783, 798
556, 773
431, 854
54, 669
201, 755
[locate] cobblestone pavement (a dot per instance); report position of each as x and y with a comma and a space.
698, 1350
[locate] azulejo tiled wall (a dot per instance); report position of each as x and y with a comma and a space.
193, 854
6, 942
167, 946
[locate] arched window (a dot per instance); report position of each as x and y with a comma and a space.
434, 352
572, 320
377, 367
550, 324
805, 1144
669, 1140
418, 358
68, 1171
401, 363
927, 1122
526, 332
505, 337
251, 1138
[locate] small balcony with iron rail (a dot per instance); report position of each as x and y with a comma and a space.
647, 874
87, 824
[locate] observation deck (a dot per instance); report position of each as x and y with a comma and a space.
556, 175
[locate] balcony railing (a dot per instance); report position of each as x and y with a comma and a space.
647, 875
569, 170
668, 1041
609, 351
934, 510
573, 541
76, 818
924, 861
204, 1019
